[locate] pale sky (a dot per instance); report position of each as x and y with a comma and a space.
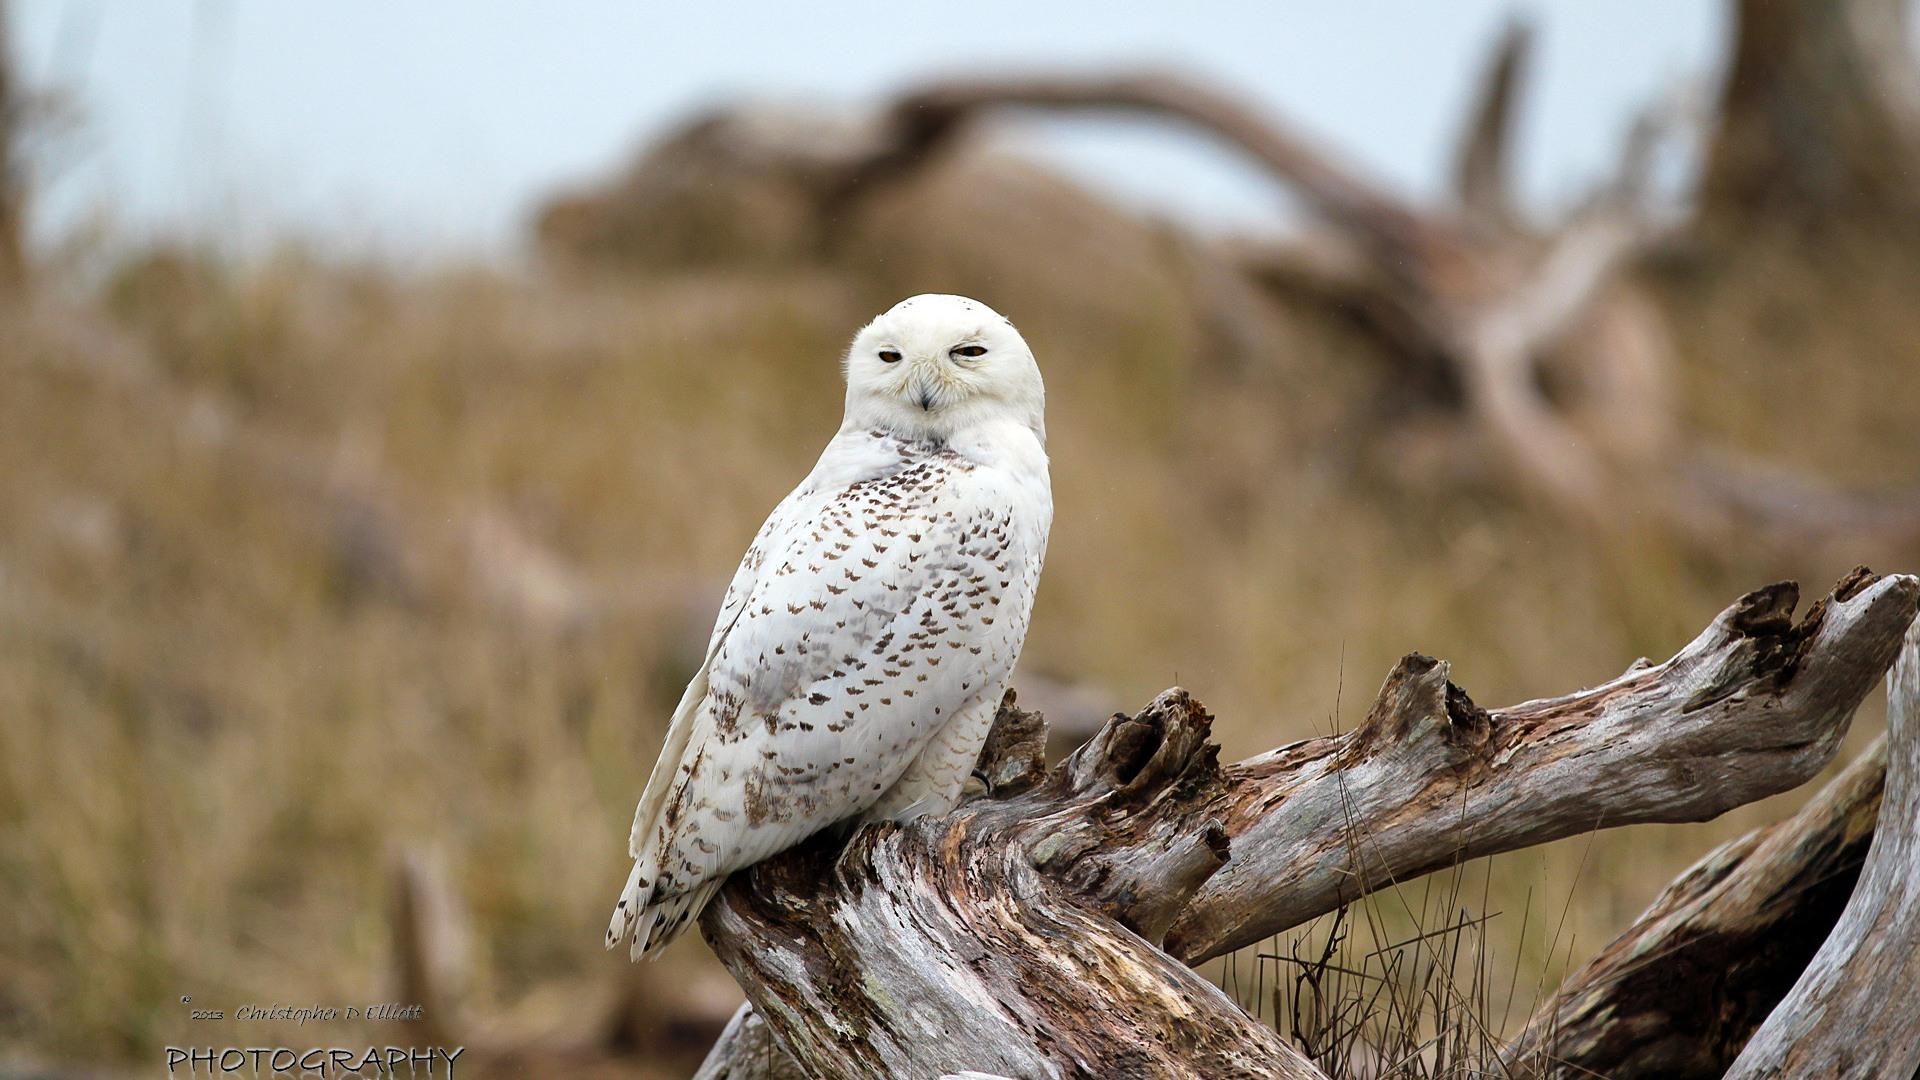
433, 125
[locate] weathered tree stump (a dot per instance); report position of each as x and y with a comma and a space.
962, 942
1047, 927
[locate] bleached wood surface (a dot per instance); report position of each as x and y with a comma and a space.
1856, 1009
1046, 928
1678, 994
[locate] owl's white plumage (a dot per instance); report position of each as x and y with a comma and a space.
866, 639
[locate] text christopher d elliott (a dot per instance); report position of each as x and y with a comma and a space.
300, 1014
316, 1062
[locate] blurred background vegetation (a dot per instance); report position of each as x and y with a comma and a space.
344, 596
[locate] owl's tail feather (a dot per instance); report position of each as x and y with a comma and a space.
633, 899
669, 918
654, 923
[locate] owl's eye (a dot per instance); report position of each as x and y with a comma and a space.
968, 351
891, 356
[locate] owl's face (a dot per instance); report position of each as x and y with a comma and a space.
934, 364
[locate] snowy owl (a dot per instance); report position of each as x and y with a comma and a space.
864, 644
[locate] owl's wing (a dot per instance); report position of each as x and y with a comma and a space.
876, 613
774, 535
680, 728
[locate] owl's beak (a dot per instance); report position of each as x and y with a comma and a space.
920, 391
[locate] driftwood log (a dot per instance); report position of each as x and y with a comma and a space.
1853, 1012
1536, 340
1683, 989
1475, 305
1047, 927
1776, 933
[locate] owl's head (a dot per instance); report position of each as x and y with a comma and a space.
934, 366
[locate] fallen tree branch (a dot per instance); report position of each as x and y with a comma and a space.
924, 121
1852, 1012
1682, 990
1732, 495
1490, 299
1754, 706
1480, 313
1482, 168
1535, 339
1027, 919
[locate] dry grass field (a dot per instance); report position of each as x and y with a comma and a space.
304, 564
